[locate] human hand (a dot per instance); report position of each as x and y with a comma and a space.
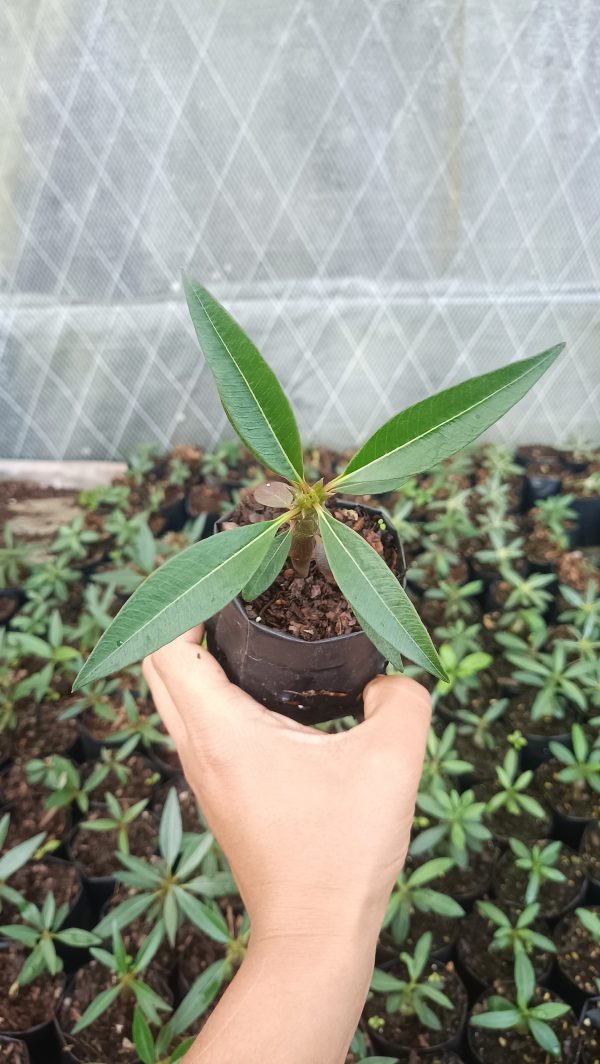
315, 825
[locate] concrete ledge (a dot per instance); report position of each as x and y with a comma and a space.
70, 475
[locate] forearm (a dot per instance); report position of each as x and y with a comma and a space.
295, 1000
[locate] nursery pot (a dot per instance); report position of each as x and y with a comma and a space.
588, 524
309, 681
589, 1026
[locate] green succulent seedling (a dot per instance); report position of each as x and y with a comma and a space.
14, 859
179, 472
59, 658
520, 1015
458, 832
94, 618
142, 462
454, 524
554, 514
127, 978
539, 861
590, 918
511, 787
15, 558
442, 761
201, 580
527, 592
457, 598
557, 683
478, 727
518, 936
463, 638
502, 552
63, 779
51, 581
582, 763
407, 530
71, 541
119, 819
420, 992
38, 931
584, 612
462, 674
167, 888
412, 892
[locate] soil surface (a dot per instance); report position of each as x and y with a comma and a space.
590, 850
577, 954
94, 851
444, 931
402, 1033
567, 798
518, 717
510, 883
313, 608
474, 953
576, 570
108, 1037
13, 1053
498, 1047
35, 880
27, 808
32, 1004
590, 1037
39, 732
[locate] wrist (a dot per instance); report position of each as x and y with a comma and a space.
321, 915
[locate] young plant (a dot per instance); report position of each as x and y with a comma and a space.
441, 760
554, 514
419, 993
462, 675
454, 525
143, 727
59, 657
591, 922
557, 683
540, 864
412, 892
166, 887
527, 592
517, 937
499, 458
179, 472
458, 832
217, 462
199, 581
455, 597
71, 540
521, 1015
501, 553
478, 727
38, 931
61, 777
582, 763
584, 612
119, 819
15, 558
126, 978
511, 787
463, 638
12, 860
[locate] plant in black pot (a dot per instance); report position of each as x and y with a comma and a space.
415, 905
491, 938
577, 939
570, 782
509, 809
452, 828
547, 871
351, 549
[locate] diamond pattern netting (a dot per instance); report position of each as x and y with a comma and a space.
389, 197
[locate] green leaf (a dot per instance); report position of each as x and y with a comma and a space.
188, 588
77, 937
203, 916
545, 1037
365, 579
19, 855
97, 1007
524, 979
170, 830
250, 392
496, 1020
18, 933
433, 869
123, 914
200, 995
170, 916
425, 434
383, 982
142, 1037
549, 1010
270, 567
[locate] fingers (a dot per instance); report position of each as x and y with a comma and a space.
398, 710
165, 705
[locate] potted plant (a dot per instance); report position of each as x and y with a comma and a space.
570, 783
415, 905
452, 828
491, 938
577, 939
509, 809
203, 581
547, 871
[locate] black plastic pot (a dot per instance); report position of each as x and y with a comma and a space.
588, 524
569, 829
538, 748
11, 600
589, 1024
309, 681
593, 894
474, 1055
444, 1046
539, 486
562, 982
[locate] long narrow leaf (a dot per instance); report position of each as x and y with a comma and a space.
270, 567
381, 602
432, 430
250, 392
185, 590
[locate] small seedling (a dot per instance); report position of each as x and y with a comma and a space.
412, 892
38, 931
582, 763
441, 760
12, 860
478, 728
459, 831
119, 819
201, 580
510, 790
417, 994
540, 863
519, 936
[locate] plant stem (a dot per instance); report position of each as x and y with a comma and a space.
304, 533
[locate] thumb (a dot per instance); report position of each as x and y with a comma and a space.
397, 711
193, 679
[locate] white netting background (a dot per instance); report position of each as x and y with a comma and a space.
389, 195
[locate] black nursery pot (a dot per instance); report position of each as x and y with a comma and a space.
588, 525
589, 1026
308, 681
539, 486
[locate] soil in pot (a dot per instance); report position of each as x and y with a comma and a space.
590, 852
468, 884
483, 760
498, 1046
13, 1052
195, 953
39, 732
33, 1004
393, 1033
510, 884
142, 777
444, 931
95, 851
109, 1037
27, 807
578, 956
581, 803
576, 570
485, 966
503, 824
36, 879
590, 1033
285, 648
540, 732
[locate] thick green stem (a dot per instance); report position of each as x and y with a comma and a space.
304, 533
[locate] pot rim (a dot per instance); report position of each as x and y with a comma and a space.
275, 632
